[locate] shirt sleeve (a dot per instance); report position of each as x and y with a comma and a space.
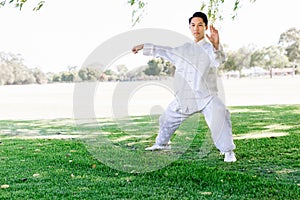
220, 55
164, 52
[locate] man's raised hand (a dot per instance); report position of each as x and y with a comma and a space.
214, 37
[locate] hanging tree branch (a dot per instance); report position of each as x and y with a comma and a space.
20, 3
213, 8
138, 9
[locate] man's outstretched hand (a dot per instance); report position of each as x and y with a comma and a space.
137, 48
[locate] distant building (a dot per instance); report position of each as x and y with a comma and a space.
283, 71
260, 72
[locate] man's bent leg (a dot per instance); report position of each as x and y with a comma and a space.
169, 121
218, 120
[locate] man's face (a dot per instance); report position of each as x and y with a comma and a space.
198, 27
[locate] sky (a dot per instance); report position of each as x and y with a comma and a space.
64, 33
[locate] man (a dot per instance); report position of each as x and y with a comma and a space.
195, 86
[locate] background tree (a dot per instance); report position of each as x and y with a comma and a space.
237, 60
67, 77
89, 73
153, 68
14, 71
230, 64
270, 57
39, 76
168, 69
6, 75
290, 41
122, 71
159, 67
243, 58
22, 75
110, 75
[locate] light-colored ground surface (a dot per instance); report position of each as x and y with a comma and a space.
259, 135
56, 100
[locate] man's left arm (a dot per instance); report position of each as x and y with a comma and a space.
220, 54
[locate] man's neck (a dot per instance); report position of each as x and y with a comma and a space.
199, 40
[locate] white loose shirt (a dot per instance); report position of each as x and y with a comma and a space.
195, 76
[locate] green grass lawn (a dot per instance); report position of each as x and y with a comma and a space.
109, 161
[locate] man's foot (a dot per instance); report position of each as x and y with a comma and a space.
229, 156
159, 147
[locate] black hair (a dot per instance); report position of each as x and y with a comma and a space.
201, 15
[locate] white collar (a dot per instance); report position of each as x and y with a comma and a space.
201, 42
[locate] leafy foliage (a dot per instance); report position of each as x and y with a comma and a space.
20, 3
14, 71
159, 67
239, 59
290, 40
285, 54
270, 57
213, 8
138, 8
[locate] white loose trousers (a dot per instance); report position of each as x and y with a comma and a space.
216, 116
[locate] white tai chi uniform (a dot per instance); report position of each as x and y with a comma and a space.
195, 91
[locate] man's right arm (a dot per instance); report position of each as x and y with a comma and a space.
164, 52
